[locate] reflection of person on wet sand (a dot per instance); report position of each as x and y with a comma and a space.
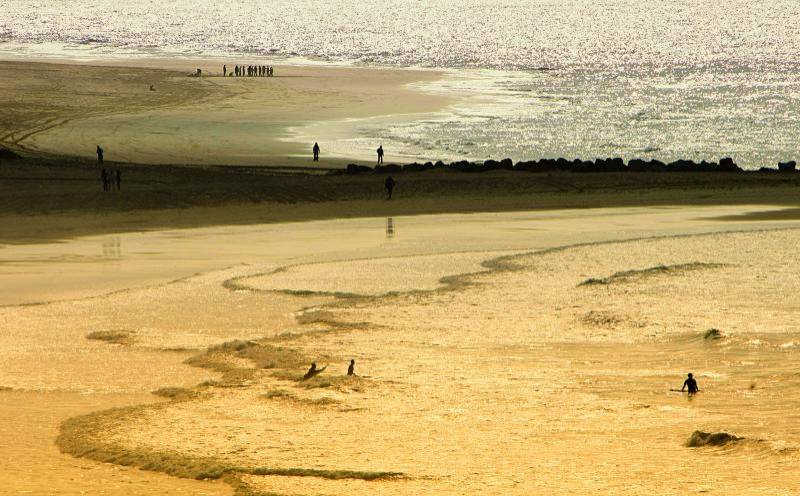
313, 370
691, 384
351, 369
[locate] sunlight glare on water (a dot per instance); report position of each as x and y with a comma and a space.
651, 79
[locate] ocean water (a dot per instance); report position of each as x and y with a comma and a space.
507, 377
580, 78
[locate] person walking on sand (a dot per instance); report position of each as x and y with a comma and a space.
224, 70
351, 369
380, 154
389, 183
691, 384
316, 152
99, 155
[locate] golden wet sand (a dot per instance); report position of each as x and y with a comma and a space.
547, 370
68, 108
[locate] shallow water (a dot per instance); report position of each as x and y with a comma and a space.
515, 380
661, 79
94, 265
526, 380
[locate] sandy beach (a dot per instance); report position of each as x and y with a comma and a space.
514, 333
68, 109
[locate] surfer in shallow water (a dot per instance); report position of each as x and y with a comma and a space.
313, 371
691, 384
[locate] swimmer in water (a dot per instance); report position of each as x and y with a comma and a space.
691, 384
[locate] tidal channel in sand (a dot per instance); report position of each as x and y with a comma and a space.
524, 380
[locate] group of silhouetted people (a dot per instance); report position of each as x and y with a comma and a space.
313, 370
249, 71
111, 179
379, 151
389, 183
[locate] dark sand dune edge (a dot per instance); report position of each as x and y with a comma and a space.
44, 199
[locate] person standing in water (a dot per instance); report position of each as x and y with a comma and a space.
380, 154
316, 152
389, 183
351, 369
691, 384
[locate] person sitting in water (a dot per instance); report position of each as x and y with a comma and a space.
691, 384
313, 370
351, 369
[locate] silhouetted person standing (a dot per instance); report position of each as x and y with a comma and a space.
99, 155
104, 178
389, 183
224, 70
691, 384
118, 178
380, 154
351, 369
316, 152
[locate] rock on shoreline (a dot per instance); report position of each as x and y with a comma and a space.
563, 165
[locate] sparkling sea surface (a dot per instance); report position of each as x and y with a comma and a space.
661, 79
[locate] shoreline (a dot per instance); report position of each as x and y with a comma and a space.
57, 198
66, 107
